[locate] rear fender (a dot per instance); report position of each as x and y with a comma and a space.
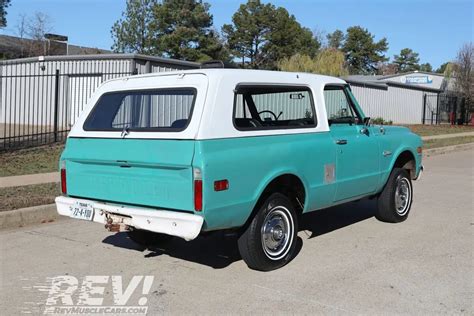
270, 177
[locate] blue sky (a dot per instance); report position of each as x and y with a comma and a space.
435, 29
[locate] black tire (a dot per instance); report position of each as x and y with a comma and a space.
276, 220
391, 207
147, 238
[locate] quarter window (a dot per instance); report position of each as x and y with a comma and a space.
273, 107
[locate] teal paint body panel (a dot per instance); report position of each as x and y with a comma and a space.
396, 140
154, 173
251, 163
357, 165
159, 173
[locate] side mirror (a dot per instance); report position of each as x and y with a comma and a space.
367, 121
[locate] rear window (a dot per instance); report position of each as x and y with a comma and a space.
149, 110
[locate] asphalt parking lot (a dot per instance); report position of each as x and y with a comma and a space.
349, 263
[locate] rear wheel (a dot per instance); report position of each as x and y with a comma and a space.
269, 242
147, 238
394, 203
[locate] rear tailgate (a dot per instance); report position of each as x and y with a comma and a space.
152, 172
134, 143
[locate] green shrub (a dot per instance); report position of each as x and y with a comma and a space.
381, 121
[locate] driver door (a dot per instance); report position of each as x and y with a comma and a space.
357, 161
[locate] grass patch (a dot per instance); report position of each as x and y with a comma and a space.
435, 143
28, 161
25, 196
429, 130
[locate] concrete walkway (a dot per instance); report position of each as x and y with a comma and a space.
55, 177
28, 179
448, 136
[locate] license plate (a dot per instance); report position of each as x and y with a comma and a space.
82, 211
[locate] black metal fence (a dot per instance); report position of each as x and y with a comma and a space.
445, 109
40, 109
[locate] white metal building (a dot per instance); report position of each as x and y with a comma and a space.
410, 98
41, 97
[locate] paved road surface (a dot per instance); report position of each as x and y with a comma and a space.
349, 262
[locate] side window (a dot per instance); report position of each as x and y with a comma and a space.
339, 107
273, 107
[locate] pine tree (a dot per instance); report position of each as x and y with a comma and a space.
407, 60
362, 53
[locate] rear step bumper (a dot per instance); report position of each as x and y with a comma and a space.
186, 226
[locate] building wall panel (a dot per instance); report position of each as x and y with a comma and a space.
396, 104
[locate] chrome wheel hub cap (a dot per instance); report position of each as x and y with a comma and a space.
402, 196
277, 233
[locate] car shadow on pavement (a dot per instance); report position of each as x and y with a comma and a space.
216, 250
327, 220
219, 250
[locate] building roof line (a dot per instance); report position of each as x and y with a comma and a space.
383, 85
367, 84
410, 73
101, 57
412, 87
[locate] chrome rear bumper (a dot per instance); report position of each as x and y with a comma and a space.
184, 225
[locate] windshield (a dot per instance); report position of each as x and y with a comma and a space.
147, 110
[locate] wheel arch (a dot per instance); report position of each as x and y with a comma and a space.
288, 183
406, 159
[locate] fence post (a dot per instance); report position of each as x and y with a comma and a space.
56, 105
424, 109
437, 109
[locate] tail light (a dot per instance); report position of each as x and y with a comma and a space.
197, 189
63, 177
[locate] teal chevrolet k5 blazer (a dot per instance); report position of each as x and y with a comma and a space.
189, 152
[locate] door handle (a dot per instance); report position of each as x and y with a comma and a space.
341, 141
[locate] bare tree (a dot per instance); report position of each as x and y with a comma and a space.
36, 27
464, 72
21, 31
386, 69
321, 36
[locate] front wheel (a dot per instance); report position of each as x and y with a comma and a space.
394, 203
269, 242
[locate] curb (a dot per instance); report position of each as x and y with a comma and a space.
447, 149
31, 215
